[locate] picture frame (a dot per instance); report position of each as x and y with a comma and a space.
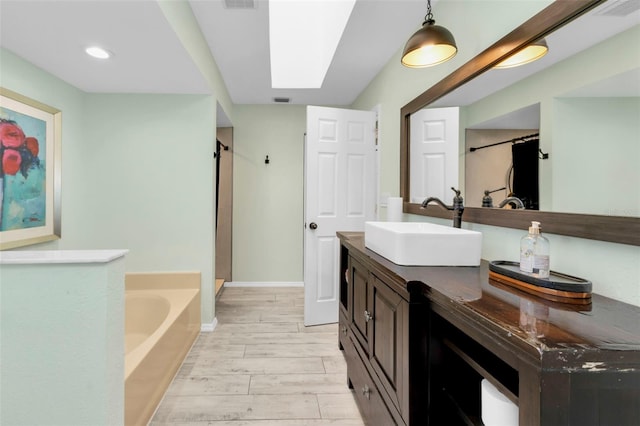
30, 175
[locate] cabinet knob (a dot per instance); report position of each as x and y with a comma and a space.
367, 316
344, 330
366, 392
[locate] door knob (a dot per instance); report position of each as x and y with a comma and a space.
313, 225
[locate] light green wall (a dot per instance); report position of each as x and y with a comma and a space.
268, 199
148, 183
137, 173
603, 134
62, 344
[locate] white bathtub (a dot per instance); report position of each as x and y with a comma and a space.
161, 324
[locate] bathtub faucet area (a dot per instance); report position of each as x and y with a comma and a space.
457, 207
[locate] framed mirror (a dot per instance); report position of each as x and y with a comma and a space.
593, 207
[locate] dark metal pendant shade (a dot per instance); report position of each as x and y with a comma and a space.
430, 45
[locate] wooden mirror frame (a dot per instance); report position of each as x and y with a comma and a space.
616, 229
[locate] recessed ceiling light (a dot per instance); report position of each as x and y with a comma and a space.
303, 37
98, 52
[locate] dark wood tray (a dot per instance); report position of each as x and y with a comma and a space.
558, 284
549, 300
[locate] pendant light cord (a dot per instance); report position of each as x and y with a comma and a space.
428, 18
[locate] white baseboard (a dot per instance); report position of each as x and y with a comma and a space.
209, 327
263, 284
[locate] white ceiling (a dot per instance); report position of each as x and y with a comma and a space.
149, 57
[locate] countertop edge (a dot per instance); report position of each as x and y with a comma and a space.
43, 257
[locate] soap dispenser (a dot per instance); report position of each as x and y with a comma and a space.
534, 252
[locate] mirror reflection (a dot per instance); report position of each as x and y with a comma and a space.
561, 134
501, 167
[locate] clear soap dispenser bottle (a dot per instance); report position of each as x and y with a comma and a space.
534, 252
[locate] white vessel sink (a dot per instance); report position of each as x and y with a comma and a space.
423, 244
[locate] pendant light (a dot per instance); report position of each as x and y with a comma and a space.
531, 53
430, 45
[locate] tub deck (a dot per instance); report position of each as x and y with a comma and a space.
156, 355
179, 302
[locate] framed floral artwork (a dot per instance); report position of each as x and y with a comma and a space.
29, 171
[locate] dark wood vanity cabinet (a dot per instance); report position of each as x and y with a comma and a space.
387, 345
375, 329
419, 340
360, 312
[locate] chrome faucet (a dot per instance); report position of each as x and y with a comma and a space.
517, 202
457, 207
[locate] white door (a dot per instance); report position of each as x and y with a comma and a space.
339, 196
434, 138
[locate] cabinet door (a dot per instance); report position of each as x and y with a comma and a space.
360, 314
387, 338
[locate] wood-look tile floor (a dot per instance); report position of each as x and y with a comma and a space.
261, 367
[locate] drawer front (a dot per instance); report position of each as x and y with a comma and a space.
372, 407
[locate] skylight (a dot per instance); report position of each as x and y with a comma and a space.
303, 36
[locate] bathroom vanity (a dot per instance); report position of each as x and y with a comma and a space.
419, 340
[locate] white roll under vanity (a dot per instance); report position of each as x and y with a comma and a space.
419, 341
